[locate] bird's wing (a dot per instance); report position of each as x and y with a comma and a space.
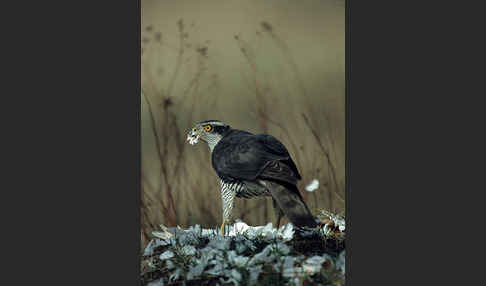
246, 156
279, 171
276, 147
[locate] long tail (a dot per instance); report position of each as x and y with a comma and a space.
291, 203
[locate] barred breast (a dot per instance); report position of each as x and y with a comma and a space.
243, 189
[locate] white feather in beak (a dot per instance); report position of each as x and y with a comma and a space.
193, 137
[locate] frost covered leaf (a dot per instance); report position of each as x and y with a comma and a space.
235, 274
163, 234
314, 185
286, 232
149, 249
288, 267
236, 260
241, 247
174, 276
151, 264
241, 261
244, 244
208, 253
229, 280
264, 256
195, 271
254, 232
188, 238
313, 264
217, 269
269, 230
203, 261
188, 250
282, 248
166, 255
292, 272
254, 273
159, 282
341, 262
221, 243
195, 229
238, 228
250, 245
209, 232
231, 255
170, 264
277, 266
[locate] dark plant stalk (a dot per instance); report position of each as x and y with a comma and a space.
163, 176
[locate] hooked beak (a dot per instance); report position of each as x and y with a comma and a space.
193, 136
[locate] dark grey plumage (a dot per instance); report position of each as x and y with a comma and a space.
250, 165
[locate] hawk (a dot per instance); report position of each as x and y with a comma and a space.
250, 165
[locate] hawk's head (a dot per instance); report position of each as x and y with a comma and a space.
210, 131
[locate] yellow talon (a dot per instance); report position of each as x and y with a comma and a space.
222, 228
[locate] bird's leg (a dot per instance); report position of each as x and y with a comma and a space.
278, 212
279, 216
223, 228
227, 197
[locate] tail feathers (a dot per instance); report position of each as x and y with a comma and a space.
291, 203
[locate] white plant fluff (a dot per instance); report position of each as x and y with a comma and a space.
314, 185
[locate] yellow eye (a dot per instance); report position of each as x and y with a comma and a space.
207, 128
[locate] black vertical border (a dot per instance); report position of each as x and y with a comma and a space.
82, 211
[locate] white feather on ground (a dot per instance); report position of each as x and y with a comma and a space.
314, 185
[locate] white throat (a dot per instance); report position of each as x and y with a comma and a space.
212, 142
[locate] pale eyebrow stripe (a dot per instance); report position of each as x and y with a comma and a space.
212, 122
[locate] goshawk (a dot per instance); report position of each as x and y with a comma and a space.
250, 165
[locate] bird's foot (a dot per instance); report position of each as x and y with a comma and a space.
223, 228
330, 226
327, 221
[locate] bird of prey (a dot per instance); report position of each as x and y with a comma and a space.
250, 165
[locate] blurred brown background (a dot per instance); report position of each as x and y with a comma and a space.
274, 66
